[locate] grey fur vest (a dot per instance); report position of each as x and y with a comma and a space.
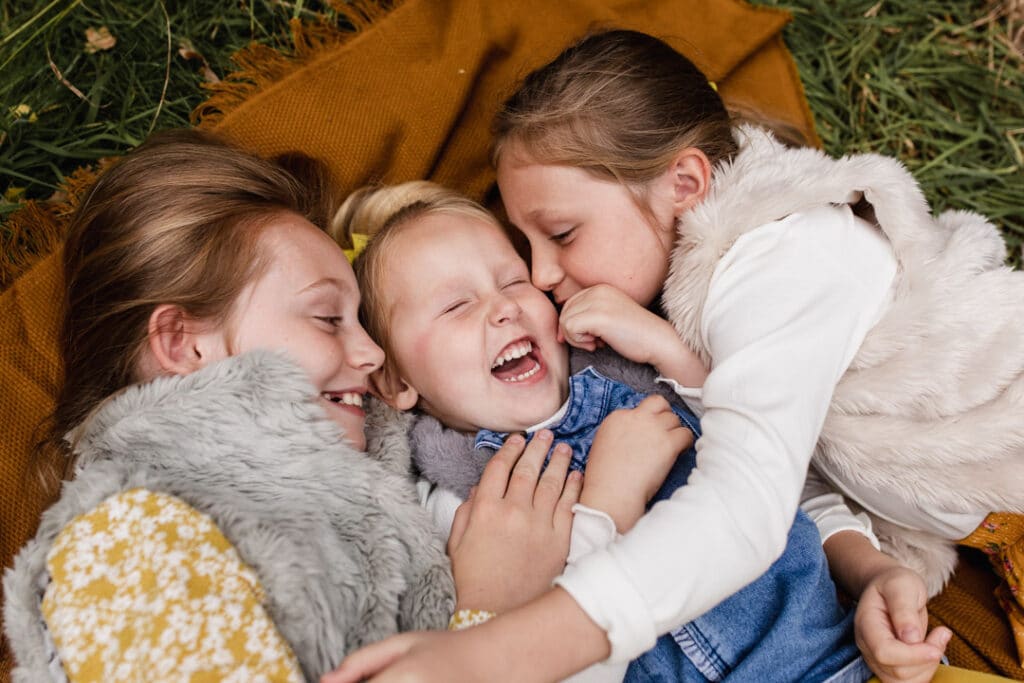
344, 552
932, 407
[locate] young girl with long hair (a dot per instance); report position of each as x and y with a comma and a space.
839, 319
229, 518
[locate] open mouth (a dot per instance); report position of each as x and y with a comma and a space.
517, 362
348, 399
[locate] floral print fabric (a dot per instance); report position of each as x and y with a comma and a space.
1001, 537
145, 587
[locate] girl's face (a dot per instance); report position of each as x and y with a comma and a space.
475, 342
585, 231
306, 303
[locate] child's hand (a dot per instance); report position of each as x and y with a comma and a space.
603, 314
890, 627
633, 451
510, 539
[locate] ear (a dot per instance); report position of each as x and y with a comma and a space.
394, 391
180, 344
687, 179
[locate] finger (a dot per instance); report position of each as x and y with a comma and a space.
899, 656
581, 340
939, 638
655, 403
877, 637
552, 480
907, 614
570, 496
919, 669
523, 481
459, 524
494, 480
369, 660
874, 629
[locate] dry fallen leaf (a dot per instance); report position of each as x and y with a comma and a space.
97, 39
188, 52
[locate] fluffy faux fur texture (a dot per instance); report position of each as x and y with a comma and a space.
931, 407
342, 548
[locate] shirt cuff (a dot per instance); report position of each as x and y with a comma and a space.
692, 396
861, 523
591, 530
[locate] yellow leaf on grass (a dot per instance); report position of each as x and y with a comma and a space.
97, 39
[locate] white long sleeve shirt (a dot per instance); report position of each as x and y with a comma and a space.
787, 309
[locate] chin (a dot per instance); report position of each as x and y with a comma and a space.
353, 435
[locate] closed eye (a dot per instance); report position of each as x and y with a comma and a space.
563, 237
513, 283
454, 307
332, 320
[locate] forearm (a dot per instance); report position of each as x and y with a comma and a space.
686, 369
854, 561
673, 359
530, 643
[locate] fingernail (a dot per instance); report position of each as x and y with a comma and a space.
515, 439
545, 435
910, 635
575, 475
562, 448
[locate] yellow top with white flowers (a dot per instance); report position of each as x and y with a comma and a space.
145, 587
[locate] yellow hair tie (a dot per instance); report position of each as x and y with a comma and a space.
359, 242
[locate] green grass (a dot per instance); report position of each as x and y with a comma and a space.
937, 83
108, 101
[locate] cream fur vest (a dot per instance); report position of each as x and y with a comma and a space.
931, 409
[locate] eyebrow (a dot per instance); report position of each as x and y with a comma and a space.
537, 214
326, 283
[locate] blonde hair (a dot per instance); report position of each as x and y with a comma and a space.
618, 104
176, 221
382, 212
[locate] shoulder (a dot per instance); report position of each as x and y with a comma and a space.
819, 246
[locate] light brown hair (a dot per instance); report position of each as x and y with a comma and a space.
175, 221
619, 105
381, 212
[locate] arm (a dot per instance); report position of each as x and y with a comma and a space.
787, 309
765, 400
604, 314
892, 616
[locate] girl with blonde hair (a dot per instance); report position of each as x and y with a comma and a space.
839, 319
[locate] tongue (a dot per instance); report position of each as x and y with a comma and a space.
514, 368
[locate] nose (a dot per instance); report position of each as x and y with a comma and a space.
362, 353
544, 269
505, 310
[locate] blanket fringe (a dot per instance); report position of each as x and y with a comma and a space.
37, 228
258, 66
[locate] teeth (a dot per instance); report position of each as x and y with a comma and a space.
347, 398
512, 352
526, 375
